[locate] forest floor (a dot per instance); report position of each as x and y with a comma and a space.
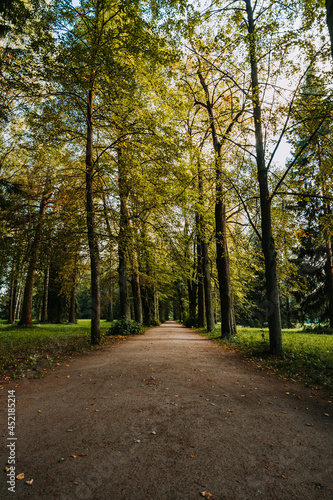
169, 415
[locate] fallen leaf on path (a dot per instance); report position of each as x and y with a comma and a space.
30, 482
39, 411
153, 432
20, 476
327, 414
67, 376
61, 460
69, 430
83, 454
7, 469
206, 494
212, 404
137, 440
74, 456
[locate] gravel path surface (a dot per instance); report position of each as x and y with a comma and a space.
167, 416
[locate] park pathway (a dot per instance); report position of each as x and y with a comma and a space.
167, 416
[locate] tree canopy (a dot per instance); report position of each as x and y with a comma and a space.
142, 172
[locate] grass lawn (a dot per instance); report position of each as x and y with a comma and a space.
30, 351
307, 356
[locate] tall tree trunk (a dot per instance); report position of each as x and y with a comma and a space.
13, 289
192, 285
329, 274
205, 261
147, 294
329, 20
268, 243
72, 303
329, 269
207, 287
26, 316
192, 295
201, 293
123, 240
109, 315
91, 226
17, 310
135, 278
228, 324
44, 317
136, 294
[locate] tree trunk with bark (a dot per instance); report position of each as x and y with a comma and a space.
72, 303
329, 269
91, 226
205, 261
201, 292
192, 295
207, 288
44, 317
109, 316
329, 20
123, 240
267, 241
13, 287
136, 294
228, 323
26, 316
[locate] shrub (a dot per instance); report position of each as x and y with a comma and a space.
126, 327
155, 322
190, 322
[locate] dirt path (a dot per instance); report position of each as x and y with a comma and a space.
166, 416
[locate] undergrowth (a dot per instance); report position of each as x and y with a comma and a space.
306, 357
33, 350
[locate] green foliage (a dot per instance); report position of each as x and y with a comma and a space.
126, 327
32, 351
155, 322
306, 357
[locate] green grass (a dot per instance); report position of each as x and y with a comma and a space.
31, 351
307, 357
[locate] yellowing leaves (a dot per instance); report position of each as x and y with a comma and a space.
206, 494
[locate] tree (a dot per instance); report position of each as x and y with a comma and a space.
312, 178
26, 317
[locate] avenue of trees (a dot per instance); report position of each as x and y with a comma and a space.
142, 173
